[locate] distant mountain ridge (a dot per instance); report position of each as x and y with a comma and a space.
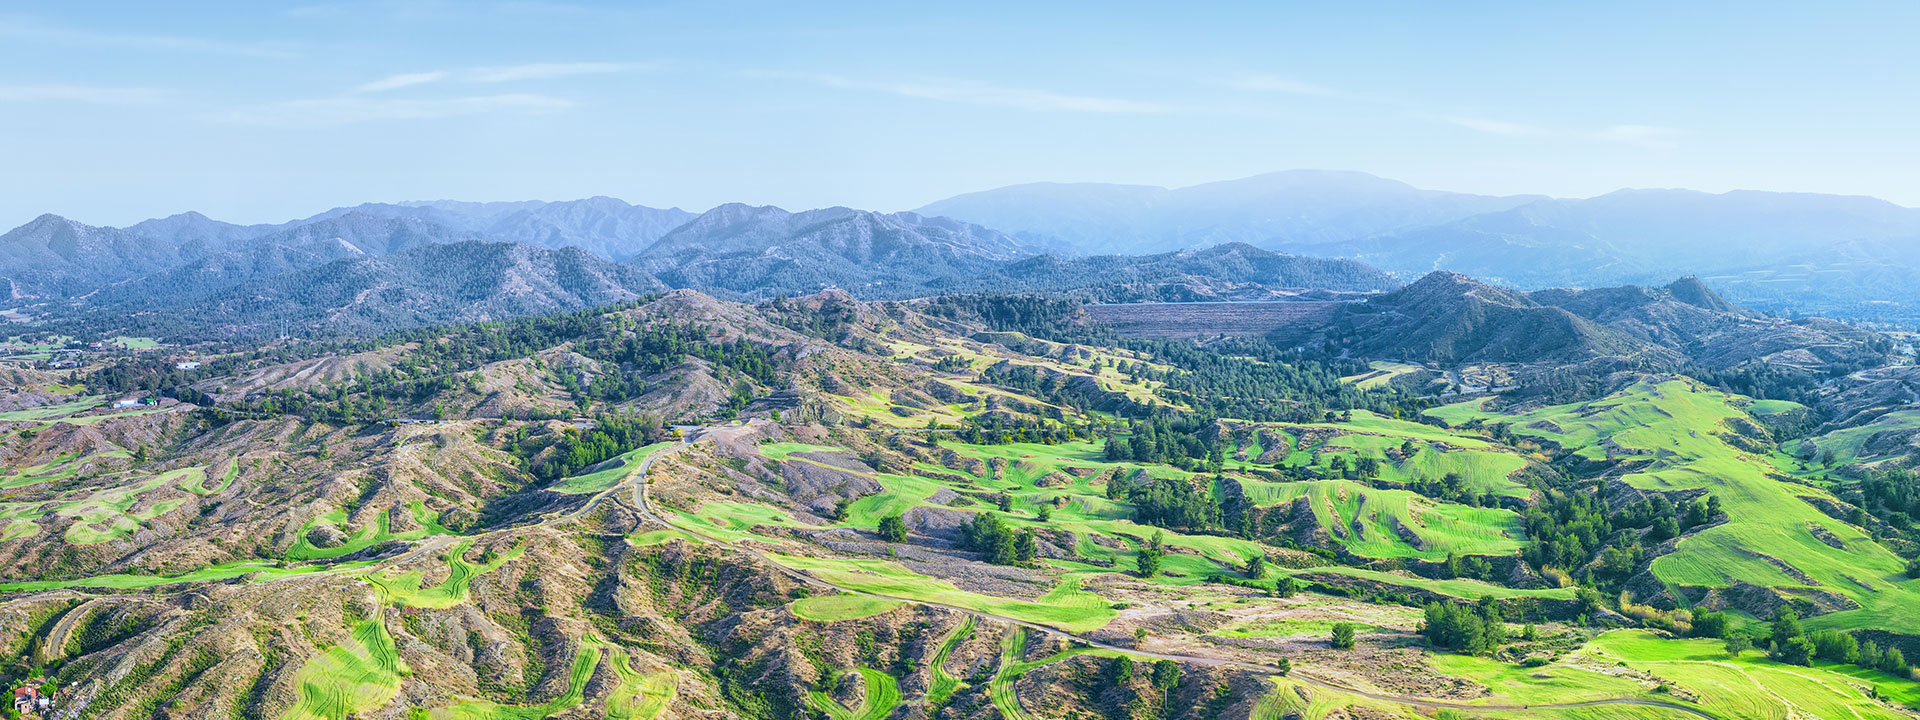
746, 251
430, 284
1287, 211
605, 226
1275, 236
1451, 319
1783, 252
1233, 271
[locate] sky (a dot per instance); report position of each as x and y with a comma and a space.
263, 112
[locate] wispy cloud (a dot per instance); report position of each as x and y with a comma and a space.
542, 71
504, 74
77, 93
1497, 127
78, 37
350, 110
1263, 83
1642, 135
977, 93
395, 82
1646, 136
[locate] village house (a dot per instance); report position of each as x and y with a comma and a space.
28, 700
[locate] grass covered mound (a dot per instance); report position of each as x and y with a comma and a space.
834, 608
1678, 431
357, 675
609, 473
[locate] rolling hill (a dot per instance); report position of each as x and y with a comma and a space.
1451, 319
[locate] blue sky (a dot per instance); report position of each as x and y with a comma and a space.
261, 112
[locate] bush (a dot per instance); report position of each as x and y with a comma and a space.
1738, 643
1710, 625
1794, 651
1342, 636
1166, 674
1149, 558
1786, 625
1473, 630
1835, 646
893, 528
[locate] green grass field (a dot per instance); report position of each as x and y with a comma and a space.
263, 571
134, 343
1752, 686
1376, 523
638, 697
1380, 375
60, 468
882, 696
834, 608
655, 537
404, 588
1000, 691
17, 520
782, 450
944, 684
584, 663
109, 514
1846, 444
367, 536
732, 521
48, 412
900, 494
1675, 425
194, 480
355, 676
611, 473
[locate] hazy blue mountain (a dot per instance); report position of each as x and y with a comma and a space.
198, 233
1235, 271
213, 273
604, 226
763, 251
1294, 211
52, 256
1842, 255
424, 285
370, 234
456, 214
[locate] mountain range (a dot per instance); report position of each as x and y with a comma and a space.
375, 268
1265, 237
1783, 252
